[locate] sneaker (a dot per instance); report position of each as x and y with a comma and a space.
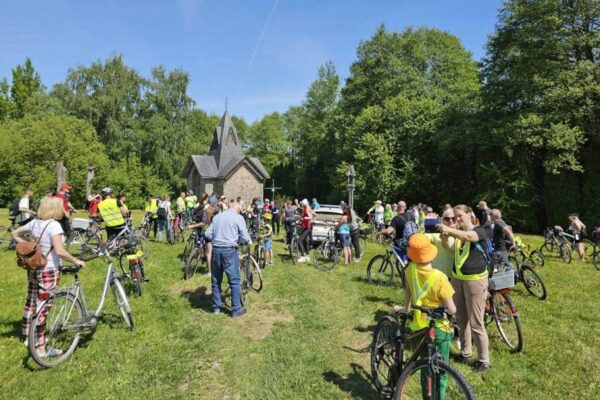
240, 314
26, 342
480, 367
302, 259
52, 352
356, 260
216, 312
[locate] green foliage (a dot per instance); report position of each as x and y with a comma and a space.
32, 146
26, 83
266, 140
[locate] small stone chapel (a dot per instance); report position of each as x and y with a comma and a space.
226, 170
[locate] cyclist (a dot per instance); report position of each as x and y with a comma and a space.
190, 202
25, 213
397, 224
502, 236
578, 229
121, 199
151, 208
266, 234
180, 205
289, 216
428, 287
315, 204
92, 204
344, 234
112, 214
376, 213
470, 283
63, 194
388, 215
307, 216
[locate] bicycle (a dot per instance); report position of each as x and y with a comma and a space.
413, 377
83, 230
588, 245
178, 228
596, 257
501, 309
251, 269
383, 268
147, 222
136, 269
294, 245
555, 242
6, 239
196, 255
522, 253
128, 240
526, 274
327, 254
65, 314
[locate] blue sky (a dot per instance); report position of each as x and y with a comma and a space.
216, 41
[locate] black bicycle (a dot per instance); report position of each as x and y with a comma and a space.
194, 254
388, 268
413, 377
525, 273
554, 242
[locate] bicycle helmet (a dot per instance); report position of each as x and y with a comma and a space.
106, 191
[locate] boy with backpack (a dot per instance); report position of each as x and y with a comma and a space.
20, 210
163, 215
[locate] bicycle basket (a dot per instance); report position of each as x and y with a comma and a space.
502, 280
80, 224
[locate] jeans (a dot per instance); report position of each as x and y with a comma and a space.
275, 224
226, 260
305, 241
355, 236
163, 224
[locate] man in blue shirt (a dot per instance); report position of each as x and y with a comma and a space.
226, 231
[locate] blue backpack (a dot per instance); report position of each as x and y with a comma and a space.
410, 228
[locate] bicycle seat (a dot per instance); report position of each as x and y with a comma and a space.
69, 269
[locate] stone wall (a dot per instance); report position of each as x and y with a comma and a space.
243, 183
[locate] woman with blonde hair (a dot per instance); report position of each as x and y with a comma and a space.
578, 229
41, 282
470, 283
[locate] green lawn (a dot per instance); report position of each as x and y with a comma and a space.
304, 337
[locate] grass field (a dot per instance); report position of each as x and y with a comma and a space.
304, 337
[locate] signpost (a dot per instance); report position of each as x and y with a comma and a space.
351, 174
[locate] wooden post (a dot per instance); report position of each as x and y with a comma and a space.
61, 174
88, 182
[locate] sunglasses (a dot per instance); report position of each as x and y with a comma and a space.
448, 219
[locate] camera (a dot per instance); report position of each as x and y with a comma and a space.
430, 225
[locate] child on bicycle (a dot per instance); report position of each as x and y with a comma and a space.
267, 235
428, 287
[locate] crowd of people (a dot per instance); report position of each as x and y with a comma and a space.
447, 265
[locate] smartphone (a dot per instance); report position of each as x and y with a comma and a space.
430, 225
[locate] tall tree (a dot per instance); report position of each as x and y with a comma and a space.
26, 83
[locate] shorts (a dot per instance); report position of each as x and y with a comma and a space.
345, 239
268, 245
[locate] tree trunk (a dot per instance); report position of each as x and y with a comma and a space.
61, 174
88, 182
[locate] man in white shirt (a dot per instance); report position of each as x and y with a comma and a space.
25, 214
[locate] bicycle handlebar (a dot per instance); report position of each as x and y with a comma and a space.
434, 313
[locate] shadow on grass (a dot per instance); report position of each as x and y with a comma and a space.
357, 383
14, 329
376, 317
199, 298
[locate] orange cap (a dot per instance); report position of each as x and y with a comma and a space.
420, 249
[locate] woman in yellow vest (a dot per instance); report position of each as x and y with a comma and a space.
470, 282
112, 214
428, 287
151, 207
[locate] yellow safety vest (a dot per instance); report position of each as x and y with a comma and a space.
419, 292
460, 256
190, 202
151, 207
111, 213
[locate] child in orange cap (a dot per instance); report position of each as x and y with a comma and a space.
428, 287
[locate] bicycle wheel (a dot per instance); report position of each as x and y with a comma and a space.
596, 260
294, 249
145, 229
537, 258
518, 255
192, 263
362, 242
245, 284
420, 380
326, 256
75, 241
507, 321
565, 253
384, 355
380, 270
533, 283
259, 256
5, 238
136, 277
588, 249
58, 322
256, 277
122, 302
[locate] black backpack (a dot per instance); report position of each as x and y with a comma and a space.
161, 213
14, 209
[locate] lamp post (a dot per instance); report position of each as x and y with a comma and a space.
351, 174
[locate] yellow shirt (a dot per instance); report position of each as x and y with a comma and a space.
440, 290
444, 261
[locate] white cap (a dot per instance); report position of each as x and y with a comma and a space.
304, 202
